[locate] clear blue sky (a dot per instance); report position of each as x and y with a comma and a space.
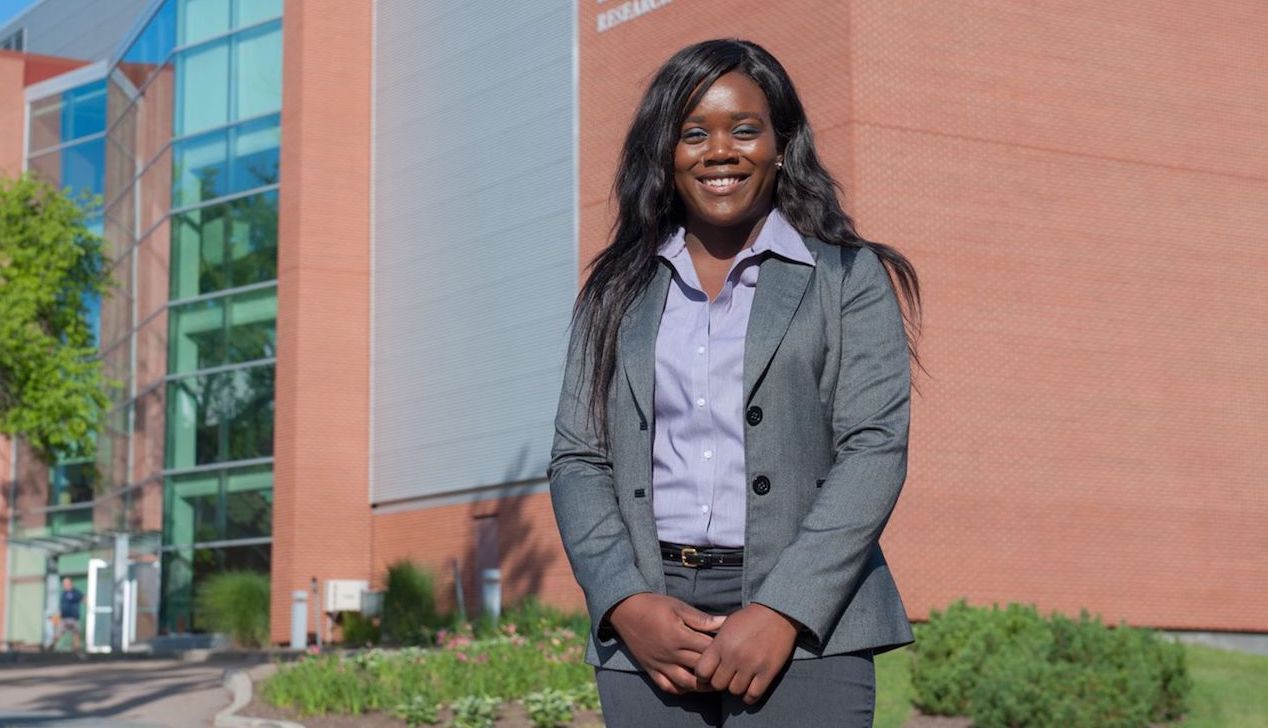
9, 8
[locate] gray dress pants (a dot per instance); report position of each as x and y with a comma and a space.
839, 690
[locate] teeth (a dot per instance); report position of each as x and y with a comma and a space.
722, 181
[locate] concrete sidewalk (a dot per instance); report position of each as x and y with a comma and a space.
113, 694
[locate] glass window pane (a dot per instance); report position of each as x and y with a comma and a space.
194, 419
255, 156
234, 408
253, 325
198, 169
202, 19
253, 239
249, 414
84, 110
46, 123
84, 167
253, 11
71, 522
72, 482
249, 503
198, 336
246, 227
152, 46
259, 71
202, 88
191, 513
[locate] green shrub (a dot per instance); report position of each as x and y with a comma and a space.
476, 711
358, 629
417, 711
1009, 667
549, 708
236, 603
586, 696
409, 605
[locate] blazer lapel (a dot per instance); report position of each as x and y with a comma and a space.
781, 284
637, 338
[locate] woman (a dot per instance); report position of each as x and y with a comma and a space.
727, 452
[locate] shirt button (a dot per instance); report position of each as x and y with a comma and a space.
699, 349
704, 509
700, 402
708, 454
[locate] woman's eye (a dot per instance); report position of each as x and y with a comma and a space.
747, 131
692, 135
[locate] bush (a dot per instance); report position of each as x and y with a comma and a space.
409, 605
1010, 667
476, 711
549, 708
417, 711
358, 630
236, 603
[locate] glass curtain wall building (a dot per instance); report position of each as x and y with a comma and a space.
180, 136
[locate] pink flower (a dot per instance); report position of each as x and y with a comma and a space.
462, 656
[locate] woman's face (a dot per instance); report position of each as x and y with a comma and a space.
724, 162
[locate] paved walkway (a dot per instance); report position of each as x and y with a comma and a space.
114, 694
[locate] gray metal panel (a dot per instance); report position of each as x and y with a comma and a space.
84, 29
475, 251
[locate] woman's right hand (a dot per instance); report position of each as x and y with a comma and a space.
666, 636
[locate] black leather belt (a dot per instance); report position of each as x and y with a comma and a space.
701, 557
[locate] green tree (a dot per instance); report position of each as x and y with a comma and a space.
52, 389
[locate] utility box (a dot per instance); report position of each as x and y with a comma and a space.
344, 595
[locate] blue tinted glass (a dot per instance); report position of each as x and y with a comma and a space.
221, 163
255, 153
84, 111
93, 304
84, 167
153, 45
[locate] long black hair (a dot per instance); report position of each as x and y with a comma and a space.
649, 210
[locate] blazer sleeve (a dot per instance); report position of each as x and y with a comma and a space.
815, 575
583, 496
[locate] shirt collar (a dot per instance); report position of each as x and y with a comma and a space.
777, 236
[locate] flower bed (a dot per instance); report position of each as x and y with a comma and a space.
467, 677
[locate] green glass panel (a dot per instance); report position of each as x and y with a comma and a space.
201, 19
221, 163
258, 85
249, 503
202, 88
220, 417
191, 512
253, 325
247, 12
197, 339
225, 245
71, 522
72, 482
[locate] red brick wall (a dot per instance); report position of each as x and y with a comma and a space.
1084, 193
528, 550
321, 520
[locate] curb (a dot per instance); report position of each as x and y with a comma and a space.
239, 686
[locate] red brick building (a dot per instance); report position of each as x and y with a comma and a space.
1083, 191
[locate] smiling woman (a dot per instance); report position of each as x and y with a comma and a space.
721, 497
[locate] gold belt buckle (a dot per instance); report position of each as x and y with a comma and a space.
689, 551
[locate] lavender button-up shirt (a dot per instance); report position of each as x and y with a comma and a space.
698, 475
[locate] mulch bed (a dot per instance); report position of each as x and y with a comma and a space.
513, 716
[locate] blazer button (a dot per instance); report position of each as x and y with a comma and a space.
754, 415
761, 485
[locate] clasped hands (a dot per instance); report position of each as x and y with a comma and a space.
684, 649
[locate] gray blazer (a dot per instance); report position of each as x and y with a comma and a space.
827, 406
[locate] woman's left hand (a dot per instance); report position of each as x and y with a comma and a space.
748, 652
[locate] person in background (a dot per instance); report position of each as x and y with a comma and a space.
68, 610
